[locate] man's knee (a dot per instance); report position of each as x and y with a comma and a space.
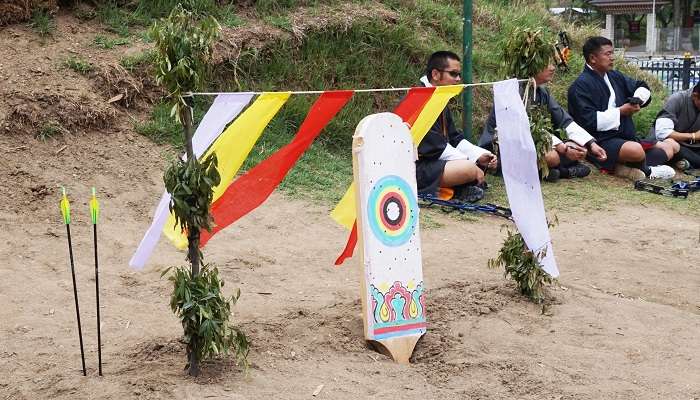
631, 151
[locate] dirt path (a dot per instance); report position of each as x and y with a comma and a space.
624, 323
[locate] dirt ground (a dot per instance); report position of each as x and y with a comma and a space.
623, 324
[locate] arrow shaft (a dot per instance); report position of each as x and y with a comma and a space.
97, 297
75, 296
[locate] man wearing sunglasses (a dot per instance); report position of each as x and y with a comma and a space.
445, 158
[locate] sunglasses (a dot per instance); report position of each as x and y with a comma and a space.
454, 74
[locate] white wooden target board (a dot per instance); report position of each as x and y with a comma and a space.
393, 302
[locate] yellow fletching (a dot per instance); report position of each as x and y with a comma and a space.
94, 208
65, 207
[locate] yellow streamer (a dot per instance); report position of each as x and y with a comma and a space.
232, 148
344, 212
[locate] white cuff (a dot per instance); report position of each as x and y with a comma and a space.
577, 134
663, 128
555, 141
450, 153
643, 94
608, 120
472, 151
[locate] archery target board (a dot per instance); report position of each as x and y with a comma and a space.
387, 210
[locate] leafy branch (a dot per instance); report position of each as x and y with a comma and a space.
205, 314
523, 266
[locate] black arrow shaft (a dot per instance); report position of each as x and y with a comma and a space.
75, 296
97, 297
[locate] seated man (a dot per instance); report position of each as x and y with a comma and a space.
603, 101
445, 158
563, 159
680, 121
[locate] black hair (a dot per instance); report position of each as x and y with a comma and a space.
593, 45
438, 60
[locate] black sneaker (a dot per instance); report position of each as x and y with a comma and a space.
553, 175
469, 194
577, 171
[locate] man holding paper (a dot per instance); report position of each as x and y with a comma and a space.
603, 101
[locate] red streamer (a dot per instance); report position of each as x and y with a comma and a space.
249, 191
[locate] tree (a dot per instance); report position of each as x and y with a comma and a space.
183, 45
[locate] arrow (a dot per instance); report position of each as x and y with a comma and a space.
65, 211
95, 214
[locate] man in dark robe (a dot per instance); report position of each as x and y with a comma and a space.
563, 159
680, 121
603, 101
445, 158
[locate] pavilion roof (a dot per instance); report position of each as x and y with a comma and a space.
627, 6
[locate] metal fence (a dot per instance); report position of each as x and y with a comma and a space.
676, 74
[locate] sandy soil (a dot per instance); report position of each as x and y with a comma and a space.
623, 323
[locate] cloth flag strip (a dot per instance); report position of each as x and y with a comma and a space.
231, 149
232, 200
519, 165
252, 189
421, 116
224, 109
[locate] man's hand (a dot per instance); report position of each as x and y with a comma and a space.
575, 152
628, 109
488, 161
598, 152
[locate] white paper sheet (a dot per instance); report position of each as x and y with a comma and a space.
519, 165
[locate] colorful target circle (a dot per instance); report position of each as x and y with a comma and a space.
392, 210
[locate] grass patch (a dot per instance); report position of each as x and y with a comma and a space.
105, 42
42, 23
79, 65
279, 21
596, 192
134, 62
428, 220
49, 130
229, 19
118, 19
163, 128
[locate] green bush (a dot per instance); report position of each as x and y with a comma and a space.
523, 266
206, 314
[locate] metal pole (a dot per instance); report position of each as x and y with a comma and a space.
653, 27
467, 71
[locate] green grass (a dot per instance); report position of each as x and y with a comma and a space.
48, 131
42, 23
119, 19
162, 128
79, 65
133, 62
596, 192
279, 21
105, 42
